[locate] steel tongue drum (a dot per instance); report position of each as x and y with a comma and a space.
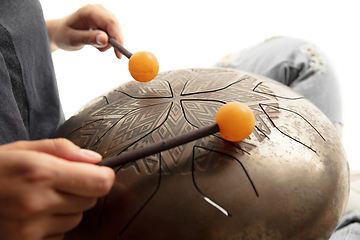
288, 180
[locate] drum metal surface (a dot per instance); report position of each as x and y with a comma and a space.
288, 180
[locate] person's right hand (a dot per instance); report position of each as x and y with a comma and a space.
73, 32
45, 186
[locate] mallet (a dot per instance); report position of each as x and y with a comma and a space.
234, 121
143, 65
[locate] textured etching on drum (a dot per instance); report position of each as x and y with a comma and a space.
211, 188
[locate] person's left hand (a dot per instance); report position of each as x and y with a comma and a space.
82, 28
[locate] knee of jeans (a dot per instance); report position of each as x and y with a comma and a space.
316, 59
299, 46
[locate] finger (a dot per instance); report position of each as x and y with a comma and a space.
70, 204
47, 171
55, 226
102, 44
118, 54
51, 186
118, 36
52, 201
83, 179
101, 39
58, 224
44, 183
96, 38
59, 147
47, 201
42, 226
98, 17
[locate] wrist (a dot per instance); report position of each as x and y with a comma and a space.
51, 26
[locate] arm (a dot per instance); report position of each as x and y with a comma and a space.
75, 31
45, 186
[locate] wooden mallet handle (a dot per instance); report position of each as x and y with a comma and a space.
167, 144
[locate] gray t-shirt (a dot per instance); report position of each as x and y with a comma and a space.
30, 108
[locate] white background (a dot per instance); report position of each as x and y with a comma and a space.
191, 33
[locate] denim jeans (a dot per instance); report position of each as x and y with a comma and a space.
303, 67
297, 64
349, 227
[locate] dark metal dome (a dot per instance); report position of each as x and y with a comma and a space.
288, 180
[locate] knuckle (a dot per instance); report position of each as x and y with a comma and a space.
90, 8
60, 145
34, 202
103, 187
99, 5
74, 220
105, 182
74, 43
35, 174
54, 144
30, 206
87, 7
112, 20
60, 142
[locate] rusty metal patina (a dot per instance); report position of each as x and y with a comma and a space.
288, 180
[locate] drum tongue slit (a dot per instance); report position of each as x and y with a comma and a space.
226, 213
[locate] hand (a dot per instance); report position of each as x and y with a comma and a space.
45, 186
75, 31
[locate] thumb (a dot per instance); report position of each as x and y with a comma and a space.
101, 39
96, 38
